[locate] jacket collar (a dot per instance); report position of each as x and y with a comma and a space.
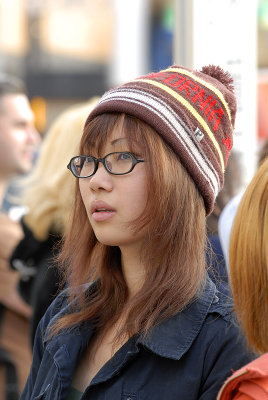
174, 336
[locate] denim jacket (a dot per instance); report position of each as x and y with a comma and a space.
187, 357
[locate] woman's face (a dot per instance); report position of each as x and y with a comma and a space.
112, 202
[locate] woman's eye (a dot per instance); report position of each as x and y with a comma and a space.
88, 161
123, 157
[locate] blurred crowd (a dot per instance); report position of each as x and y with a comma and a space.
35, 190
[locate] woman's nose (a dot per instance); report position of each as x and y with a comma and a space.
101, 179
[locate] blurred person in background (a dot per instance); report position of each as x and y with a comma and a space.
215, 256
18, 136
228, 213
47, 193
18, 143
249, 281
140, 318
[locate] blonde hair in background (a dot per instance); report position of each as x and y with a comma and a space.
48, 191
249, 260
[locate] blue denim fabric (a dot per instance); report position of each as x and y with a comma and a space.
186, 357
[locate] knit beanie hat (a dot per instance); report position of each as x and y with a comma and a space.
193, 111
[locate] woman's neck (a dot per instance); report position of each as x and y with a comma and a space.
133, 269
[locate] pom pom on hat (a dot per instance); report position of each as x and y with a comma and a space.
218, 73
193, 111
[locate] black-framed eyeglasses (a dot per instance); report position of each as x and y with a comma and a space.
116, 163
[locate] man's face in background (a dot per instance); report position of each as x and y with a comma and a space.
18, 136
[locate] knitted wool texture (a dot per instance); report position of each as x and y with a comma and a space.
193, 111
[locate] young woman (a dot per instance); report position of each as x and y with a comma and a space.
249, 279
141, 319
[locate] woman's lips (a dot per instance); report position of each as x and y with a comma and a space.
100, 216
101, 211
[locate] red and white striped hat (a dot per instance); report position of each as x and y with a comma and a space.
193, 111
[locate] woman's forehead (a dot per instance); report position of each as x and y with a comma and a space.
113, 139
118, 140
116, 136
121, 132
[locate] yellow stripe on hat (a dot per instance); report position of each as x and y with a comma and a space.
192, 111
204, 83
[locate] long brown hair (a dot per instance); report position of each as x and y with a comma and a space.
248, 256
173, 252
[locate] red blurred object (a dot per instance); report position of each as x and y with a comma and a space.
262, 108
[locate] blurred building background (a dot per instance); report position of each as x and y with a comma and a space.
70, 50
65, 49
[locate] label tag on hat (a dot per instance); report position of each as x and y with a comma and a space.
199, 135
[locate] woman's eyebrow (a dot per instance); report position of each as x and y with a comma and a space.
117, 140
